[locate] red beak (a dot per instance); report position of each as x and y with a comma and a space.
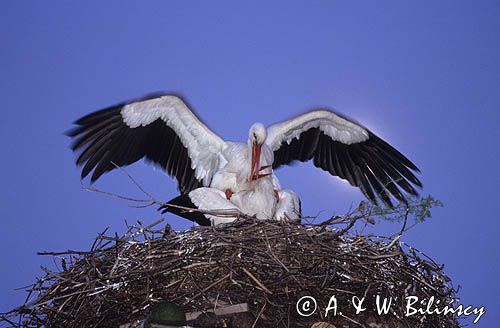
255, 166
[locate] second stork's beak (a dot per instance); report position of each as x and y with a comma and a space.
255, 166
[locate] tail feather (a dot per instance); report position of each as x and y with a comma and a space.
185, 201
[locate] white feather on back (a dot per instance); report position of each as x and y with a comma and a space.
288, 208
211, 199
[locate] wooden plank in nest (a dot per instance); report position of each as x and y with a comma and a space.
226, 310
191, 316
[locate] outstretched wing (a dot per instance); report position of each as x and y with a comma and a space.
160, 128
347, 150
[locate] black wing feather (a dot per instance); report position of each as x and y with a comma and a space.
377, 168
105, 139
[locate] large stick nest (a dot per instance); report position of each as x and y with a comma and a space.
267, 264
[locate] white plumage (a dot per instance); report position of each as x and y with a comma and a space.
334, 126
217, 209
162, 129
289, 207
204, 147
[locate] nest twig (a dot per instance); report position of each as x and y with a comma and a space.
268, 265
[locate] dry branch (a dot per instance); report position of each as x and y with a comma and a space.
268, 265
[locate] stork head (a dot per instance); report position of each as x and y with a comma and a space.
256, 137
257, 134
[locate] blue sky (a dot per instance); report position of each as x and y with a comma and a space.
423, 75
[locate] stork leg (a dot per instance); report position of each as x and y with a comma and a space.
258, 176
264, 167
229, 193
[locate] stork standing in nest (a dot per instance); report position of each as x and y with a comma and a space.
212, 172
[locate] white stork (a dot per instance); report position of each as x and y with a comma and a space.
163, 130
217, 209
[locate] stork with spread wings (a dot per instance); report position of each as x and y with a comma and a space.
163, 130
